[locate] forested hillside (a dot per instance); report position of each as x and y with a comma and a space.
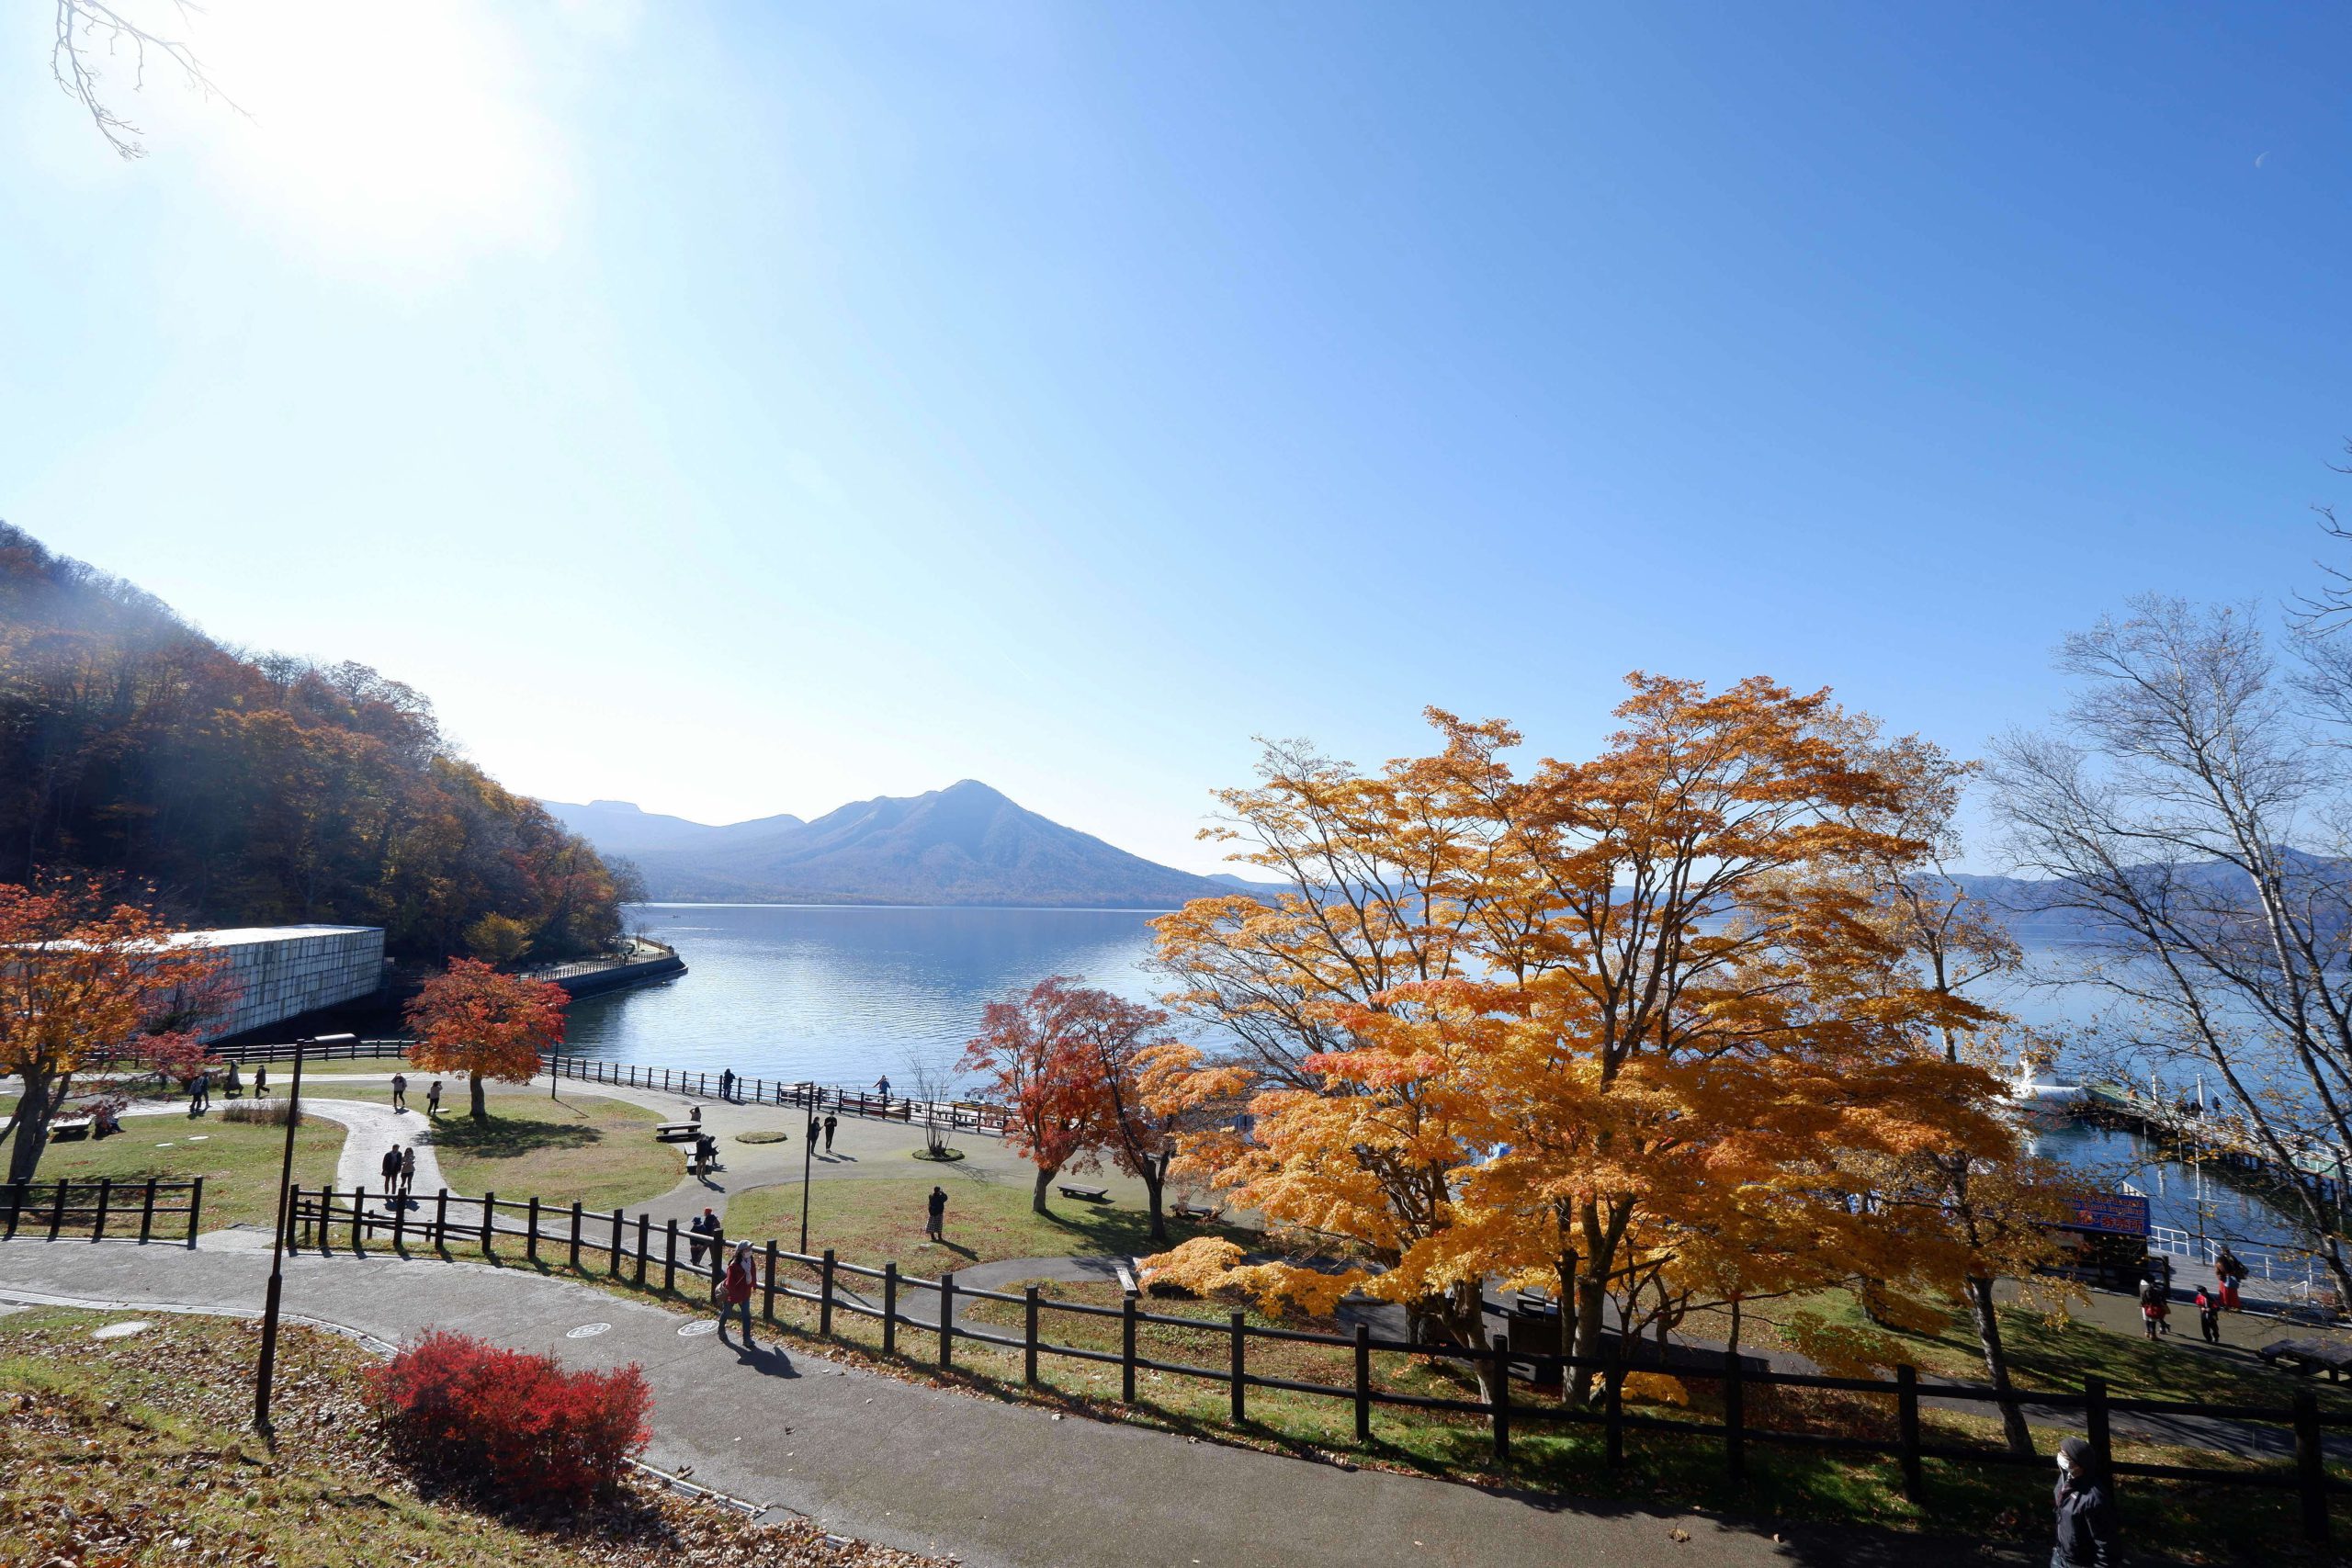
258, 791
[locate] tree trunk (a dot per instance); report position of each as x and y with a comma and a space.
33, 1112
1044, 1178
1154, 1187
473, 1086
1997, 1365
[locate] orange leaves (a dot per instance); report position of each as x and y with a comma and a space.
471, 1018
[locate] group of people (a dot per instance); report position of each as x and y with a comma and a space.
399, 1167
2155, 1300
825, 1127
431, 1095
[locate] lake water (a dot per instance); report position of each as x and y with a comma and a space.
843, 995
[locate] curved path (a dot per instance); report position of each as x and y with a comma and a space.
932, 1469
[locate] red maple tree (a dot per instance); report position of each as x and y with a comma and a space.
475, 1020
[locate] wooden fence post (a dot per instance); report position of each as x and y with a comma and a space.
825, 1298
1241, 1385
2310, 1468
194, 1208
441, 1222
489, 1219
767, 1300
2095, 1424
1734, 1415
358, 1217
146, 1212
575, 1236
889, 1308
400, 1225
1907, 1421
618, 1221
531, 1243
946, 1318
1029, 1335
1502, 1404
670, 1262
1127, 1349
57, 1211
98, 1223
1364, 1381
643, 1246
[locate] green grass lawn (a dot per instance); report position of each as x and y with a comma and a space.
240, 1163
599, 1151
137, 1451
874, 1221
2055, 1356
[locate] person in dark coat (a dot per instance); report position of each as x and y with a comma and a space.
2209, 1316
938, 1221
815, 1130
704, 1227
727, 1083
261, 1081
390, 1166
831, 1122
2085, 1512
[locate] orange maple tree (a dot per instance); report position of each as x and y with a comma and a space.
1629, 1029
472, 1020
89, 985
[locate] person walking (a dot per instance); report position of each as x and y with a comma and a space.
391, 1166
399, 1092
735, 1291
261, 1081
815, 1130
938, 1221
704, 1227
236, 1083
2209, 1316
882, 1086
2227, 1272
433, 1098
408, 1170
200, 1094
831, 1122
2086, 1525
2153, 1308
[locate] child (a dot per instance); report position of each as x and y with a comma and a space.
2209, 1316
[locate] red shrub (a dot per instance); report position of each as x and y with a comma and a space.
517, 1422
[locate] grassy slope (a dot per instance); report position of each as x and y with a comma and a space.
599, 1151
878, 1221
135, 1450
240, 1163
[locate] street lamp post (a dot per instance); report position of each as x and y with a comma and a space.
807, 1154
278, 1243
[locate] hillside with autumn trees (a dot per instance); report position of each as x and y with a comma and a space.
260, 790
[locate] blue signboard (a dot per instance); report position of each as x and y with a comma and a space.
2109, 1213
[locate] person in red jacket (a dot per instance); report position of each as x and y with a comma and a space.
735, 1291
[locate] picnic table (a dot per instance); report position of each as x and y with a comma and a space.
677, 1132
2307, 1355
1091, 1194
66, 1127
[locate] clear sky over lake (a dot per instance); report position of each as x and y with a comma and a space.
745, 409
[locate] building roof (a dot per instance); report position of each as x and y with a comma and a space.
241, 936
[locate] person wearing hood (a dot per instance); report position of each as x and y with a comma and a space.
2085, 1511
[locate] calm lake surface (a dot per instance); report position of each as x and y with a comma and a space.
843, 995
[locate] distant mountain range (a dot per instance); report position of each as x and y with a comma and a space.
964, 844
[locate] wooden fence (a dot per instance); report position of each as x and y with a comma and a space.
68, 1207
358, 1051
636, 1250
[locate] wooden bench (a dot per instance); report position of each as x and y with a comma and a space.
1091, 1194
677, 1132
66, 1127
1195, 1212
2309, 1356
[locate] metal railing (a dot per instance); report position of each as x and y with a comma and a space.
2299, 1275
623, 1248
959, 1115
61, 1209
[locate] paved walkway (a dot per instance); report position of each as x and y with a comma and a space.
931, 1470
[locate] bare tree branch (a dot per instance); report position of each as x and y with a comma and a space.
86, 27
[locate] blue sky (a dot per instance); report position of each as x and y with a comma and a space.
747, 409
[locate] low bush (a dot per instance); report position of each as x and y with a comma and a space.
260, 1112
514, 1422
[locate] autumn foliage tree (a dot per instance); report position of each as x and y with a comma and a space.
1028, 1052
89, 983
475, 1020
1628, 1029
